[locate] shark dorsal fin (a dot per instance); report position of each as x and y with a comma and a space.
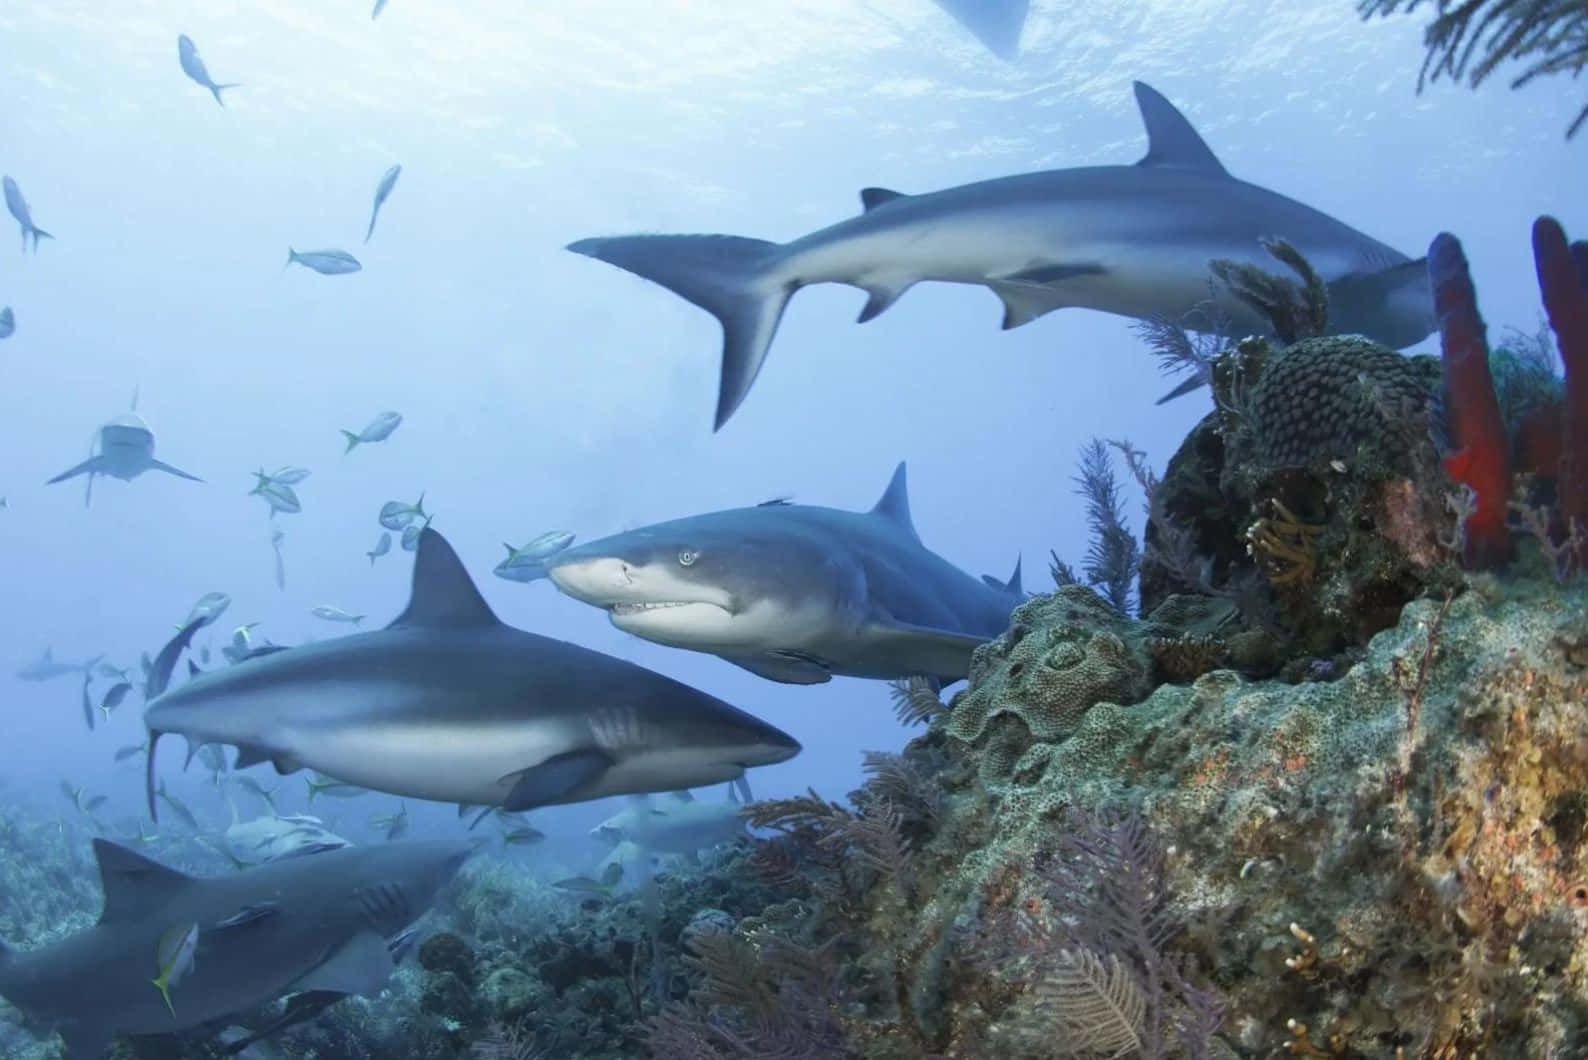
134, 885
895, 503
1013, 584
443, 592
1171, 141
871, 198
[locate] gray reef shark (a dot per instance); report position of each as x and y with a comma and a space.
793, 592
996, 23
47, 668
448, 703
316, 923
124, 449
1132, 240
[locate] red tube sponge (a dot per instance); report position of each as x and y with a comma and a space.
1563, 282
1472, 410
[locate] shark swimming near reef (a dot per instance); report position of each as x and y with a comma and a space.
124, 449
795, 593
322, 922
448, 703
1130, 240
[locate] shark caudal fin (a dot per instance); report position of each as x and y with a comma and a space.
734, 279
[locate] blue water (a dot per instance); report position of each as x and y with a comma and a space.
543, 390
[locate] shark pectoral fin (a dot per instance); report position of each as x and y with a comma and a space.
91, 465
248, 914
555, 778
362, 965
910, 649
133, 884
871, 198
1024, 302
161, 465
786, 669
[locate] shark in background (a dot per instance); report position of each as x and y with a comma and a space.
318, 923
124, 449
795, 593
1131, 240
47, 668
447, 703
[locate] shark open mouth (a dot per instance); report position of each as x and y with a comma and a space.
640, 608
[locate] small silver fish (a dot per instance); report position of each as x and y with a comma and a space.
411, 534
382, 547
379, 429
396, 515
336, 614
281, 498
8, 323
209, 607
20, 210
289, 475
124, 753
113, 698
187, 54
528, 564
383, 189
325, 262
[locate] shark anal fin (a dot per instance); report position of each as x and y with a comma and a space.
1024, 302
555, 778
361, 965
871, 198
785, 669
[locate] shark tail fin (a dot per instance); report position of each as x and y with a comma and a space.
353, 440
739, 281
216, 90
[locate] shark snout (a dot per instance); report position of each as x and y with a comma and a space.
596, 580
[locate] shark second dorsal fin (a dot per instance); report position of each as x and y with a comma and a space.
871, 198
895, 503
134, 885
443, 592
1171, 141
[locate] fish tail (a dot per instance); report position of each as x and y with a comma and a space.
739, 281
371, 230
160, 985
38, 234
292, 256
352, 440
216, 90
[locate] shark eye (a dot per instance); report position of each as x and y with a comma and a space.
687, 556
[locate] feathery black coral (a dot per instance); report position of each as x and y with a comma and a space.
1296, 311
1471, 38
1113, 558
916, 700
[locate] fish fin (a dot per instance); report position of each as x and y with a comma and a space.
906, 648
352, 441
216, 90
1010, 586
1024, 302
161, 465
361, 965
785, 669
1046, 275
742, 783
996, 23
93, 465
134, 886
1394, 306
882, 295
871, 198
443, 593
286, 764
734, 279
555, 778
894, 505
1171, 141
1197, 381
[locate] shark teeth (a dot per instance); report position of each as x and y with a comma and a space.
636, 608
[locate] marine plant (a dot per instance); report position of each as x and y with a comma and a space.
1470, 39
1113, 556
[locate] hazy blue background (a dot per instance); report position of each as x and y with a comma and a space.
541, 389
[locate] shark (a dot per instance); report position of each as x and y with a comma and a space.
449, 703
46, 667
795, 593
24, 216
996, 23
1130, 240
124, 449
319, 923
